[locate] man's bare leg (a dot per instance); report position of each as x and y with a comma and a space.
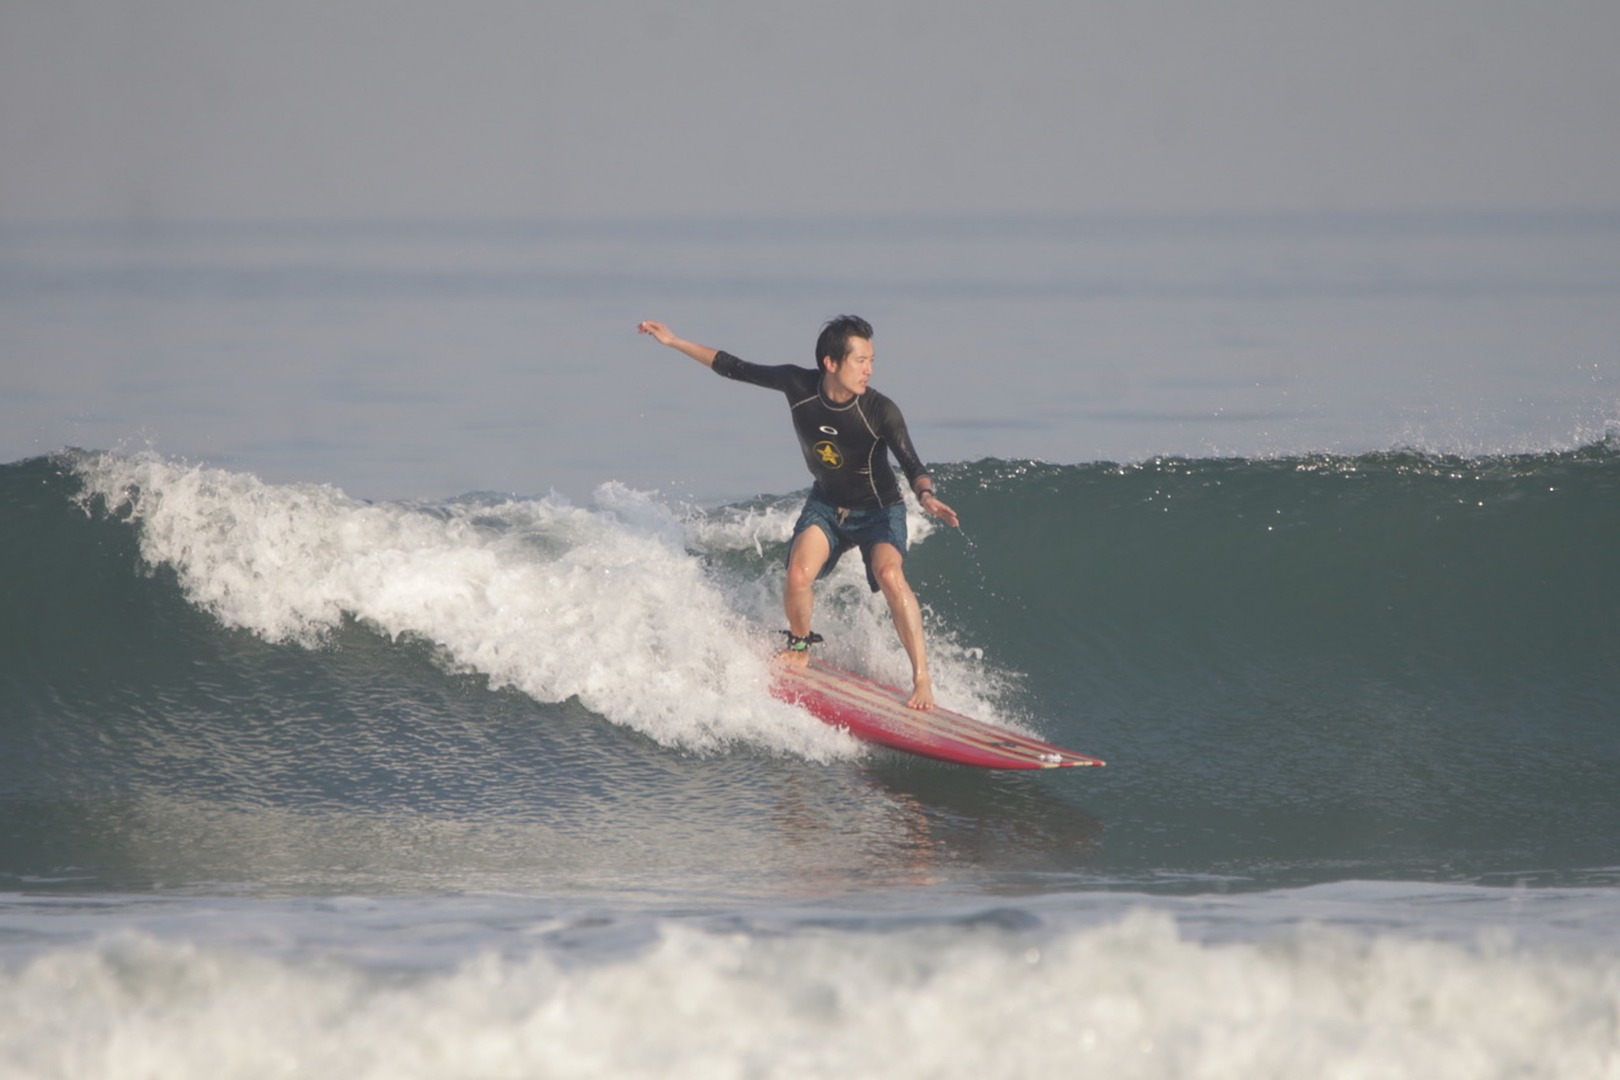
888, 569
809, 555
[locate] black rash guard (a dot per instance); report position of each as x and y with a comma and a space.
844, 445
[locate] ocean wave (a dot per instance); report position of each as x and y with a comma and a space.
995, 994
1298, 668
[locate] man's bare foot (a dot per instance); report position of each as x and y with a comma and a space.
797, 658
922, 694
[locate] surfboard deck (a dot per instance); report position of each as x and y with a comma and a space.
877, 713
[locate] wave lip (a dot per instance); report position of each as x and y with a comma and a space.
561, 602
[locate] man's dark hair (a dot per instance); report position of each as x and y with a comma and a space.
834, 339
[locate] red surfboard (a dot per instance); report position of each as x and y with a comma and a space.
877, 713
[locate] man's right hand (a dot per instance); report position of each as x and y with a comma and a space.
665, 336
658, 330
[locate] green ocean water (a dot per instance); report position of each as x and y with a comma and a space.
1301, 669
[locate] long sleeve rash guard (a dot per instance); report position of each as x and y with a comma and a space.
846, 447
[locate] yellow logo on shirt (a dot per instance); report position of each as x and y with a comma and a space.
828, 453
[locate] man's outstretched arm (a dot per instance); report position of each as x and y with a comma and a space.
665, 336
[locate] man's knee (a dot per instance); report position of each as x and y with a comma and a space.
801, 575
890, 574
810, 552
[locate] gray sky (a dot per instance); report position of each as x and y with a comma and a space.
232, 109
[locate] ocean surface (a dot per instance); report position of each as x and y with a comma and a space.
319, 763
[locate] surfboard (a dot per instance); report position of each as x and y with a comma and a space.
877, 713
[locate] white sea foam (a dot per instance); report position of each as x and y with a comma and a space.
1133, 997
604, 603
610, 603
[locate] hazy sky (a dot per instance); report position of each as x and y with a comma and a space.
403, 108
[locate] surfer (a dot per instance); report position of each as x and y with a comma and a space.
847, 432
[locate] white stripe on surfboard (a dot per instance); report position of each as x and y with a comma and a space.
937, 725
873, 698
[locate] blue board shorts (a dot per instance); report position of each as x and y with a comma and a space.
846, 529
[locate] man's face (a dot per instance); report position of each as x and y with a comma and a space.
851, 376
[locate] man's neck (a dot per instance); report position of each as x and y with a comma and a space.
833, 392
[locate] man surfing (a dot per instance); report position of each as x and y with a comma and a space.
847, 432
